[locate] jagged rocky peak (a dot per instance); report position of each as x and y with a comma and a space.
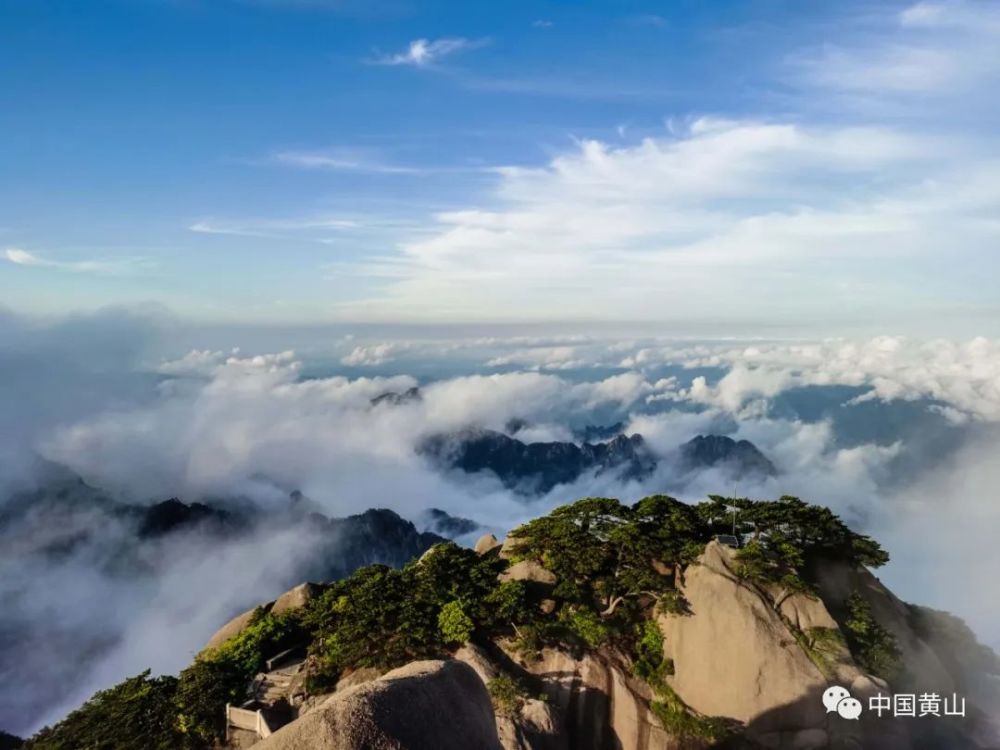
538, 467
441, 522
173, 515
593, 433
739, 457
393, 398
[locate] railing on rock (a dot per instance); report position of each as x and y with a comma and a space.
244, 718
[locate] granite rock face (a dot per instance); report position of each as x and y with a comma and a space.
425, 704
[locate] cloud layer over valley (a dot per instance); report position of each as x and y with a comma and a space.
895, 434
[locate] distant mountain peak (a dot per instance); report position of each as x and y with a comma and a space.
741, 457
538, 467
393, 398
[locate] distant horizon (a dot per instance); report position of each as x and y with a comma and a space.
723, 166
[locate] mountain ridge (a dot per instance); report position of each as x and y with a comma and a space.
537, 467
640, 629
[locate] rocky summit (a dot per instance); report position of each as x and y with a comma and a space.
738, 457
600, 625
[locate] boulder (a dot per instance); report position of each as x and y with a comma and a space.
291, 599
510, 546
357, 677
232, 628
528, 570
296, 598
425, 704
476, 658
486, 543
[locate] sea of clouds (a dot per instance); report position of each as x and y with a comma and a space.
900, 436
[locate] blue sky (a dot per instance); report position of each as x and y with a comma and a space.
816, 165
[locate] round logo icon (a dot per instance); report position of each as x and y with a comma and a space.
849, 708
834, 695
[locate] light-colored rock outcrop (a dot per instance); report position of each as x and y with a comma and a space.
734, 656
234, 627
296, 598
486, 543
425, 704
535, 726
601, 705
528, 570
510, 546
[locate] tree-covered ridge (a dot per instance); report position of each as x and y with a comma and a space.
137, 712
616, 567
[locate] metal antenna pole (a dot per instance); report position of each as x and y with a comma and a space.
735, 509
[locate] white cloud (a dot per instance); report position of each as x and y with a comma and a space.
729, 216
343, 160
423, 53
842, 209
231, 424
369, 356
541, 358
247, 425
930, 48
108, 266
965, 375
273, 228
195, 362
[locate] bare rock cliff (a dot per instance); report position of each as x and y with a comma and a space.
425, 704
741, 654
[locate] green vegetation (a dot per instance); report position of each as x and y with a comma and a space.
650, 664
790, 539
454, 624
507, 696
872, 646
384, 618
221, 675
680, 721
821, 645
617, 568
138, 712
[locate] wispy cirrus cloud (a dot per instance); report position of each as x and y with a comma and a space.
625, 223
423, 53
930, 48
723, 205
104, 266
272, 227
341, 160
